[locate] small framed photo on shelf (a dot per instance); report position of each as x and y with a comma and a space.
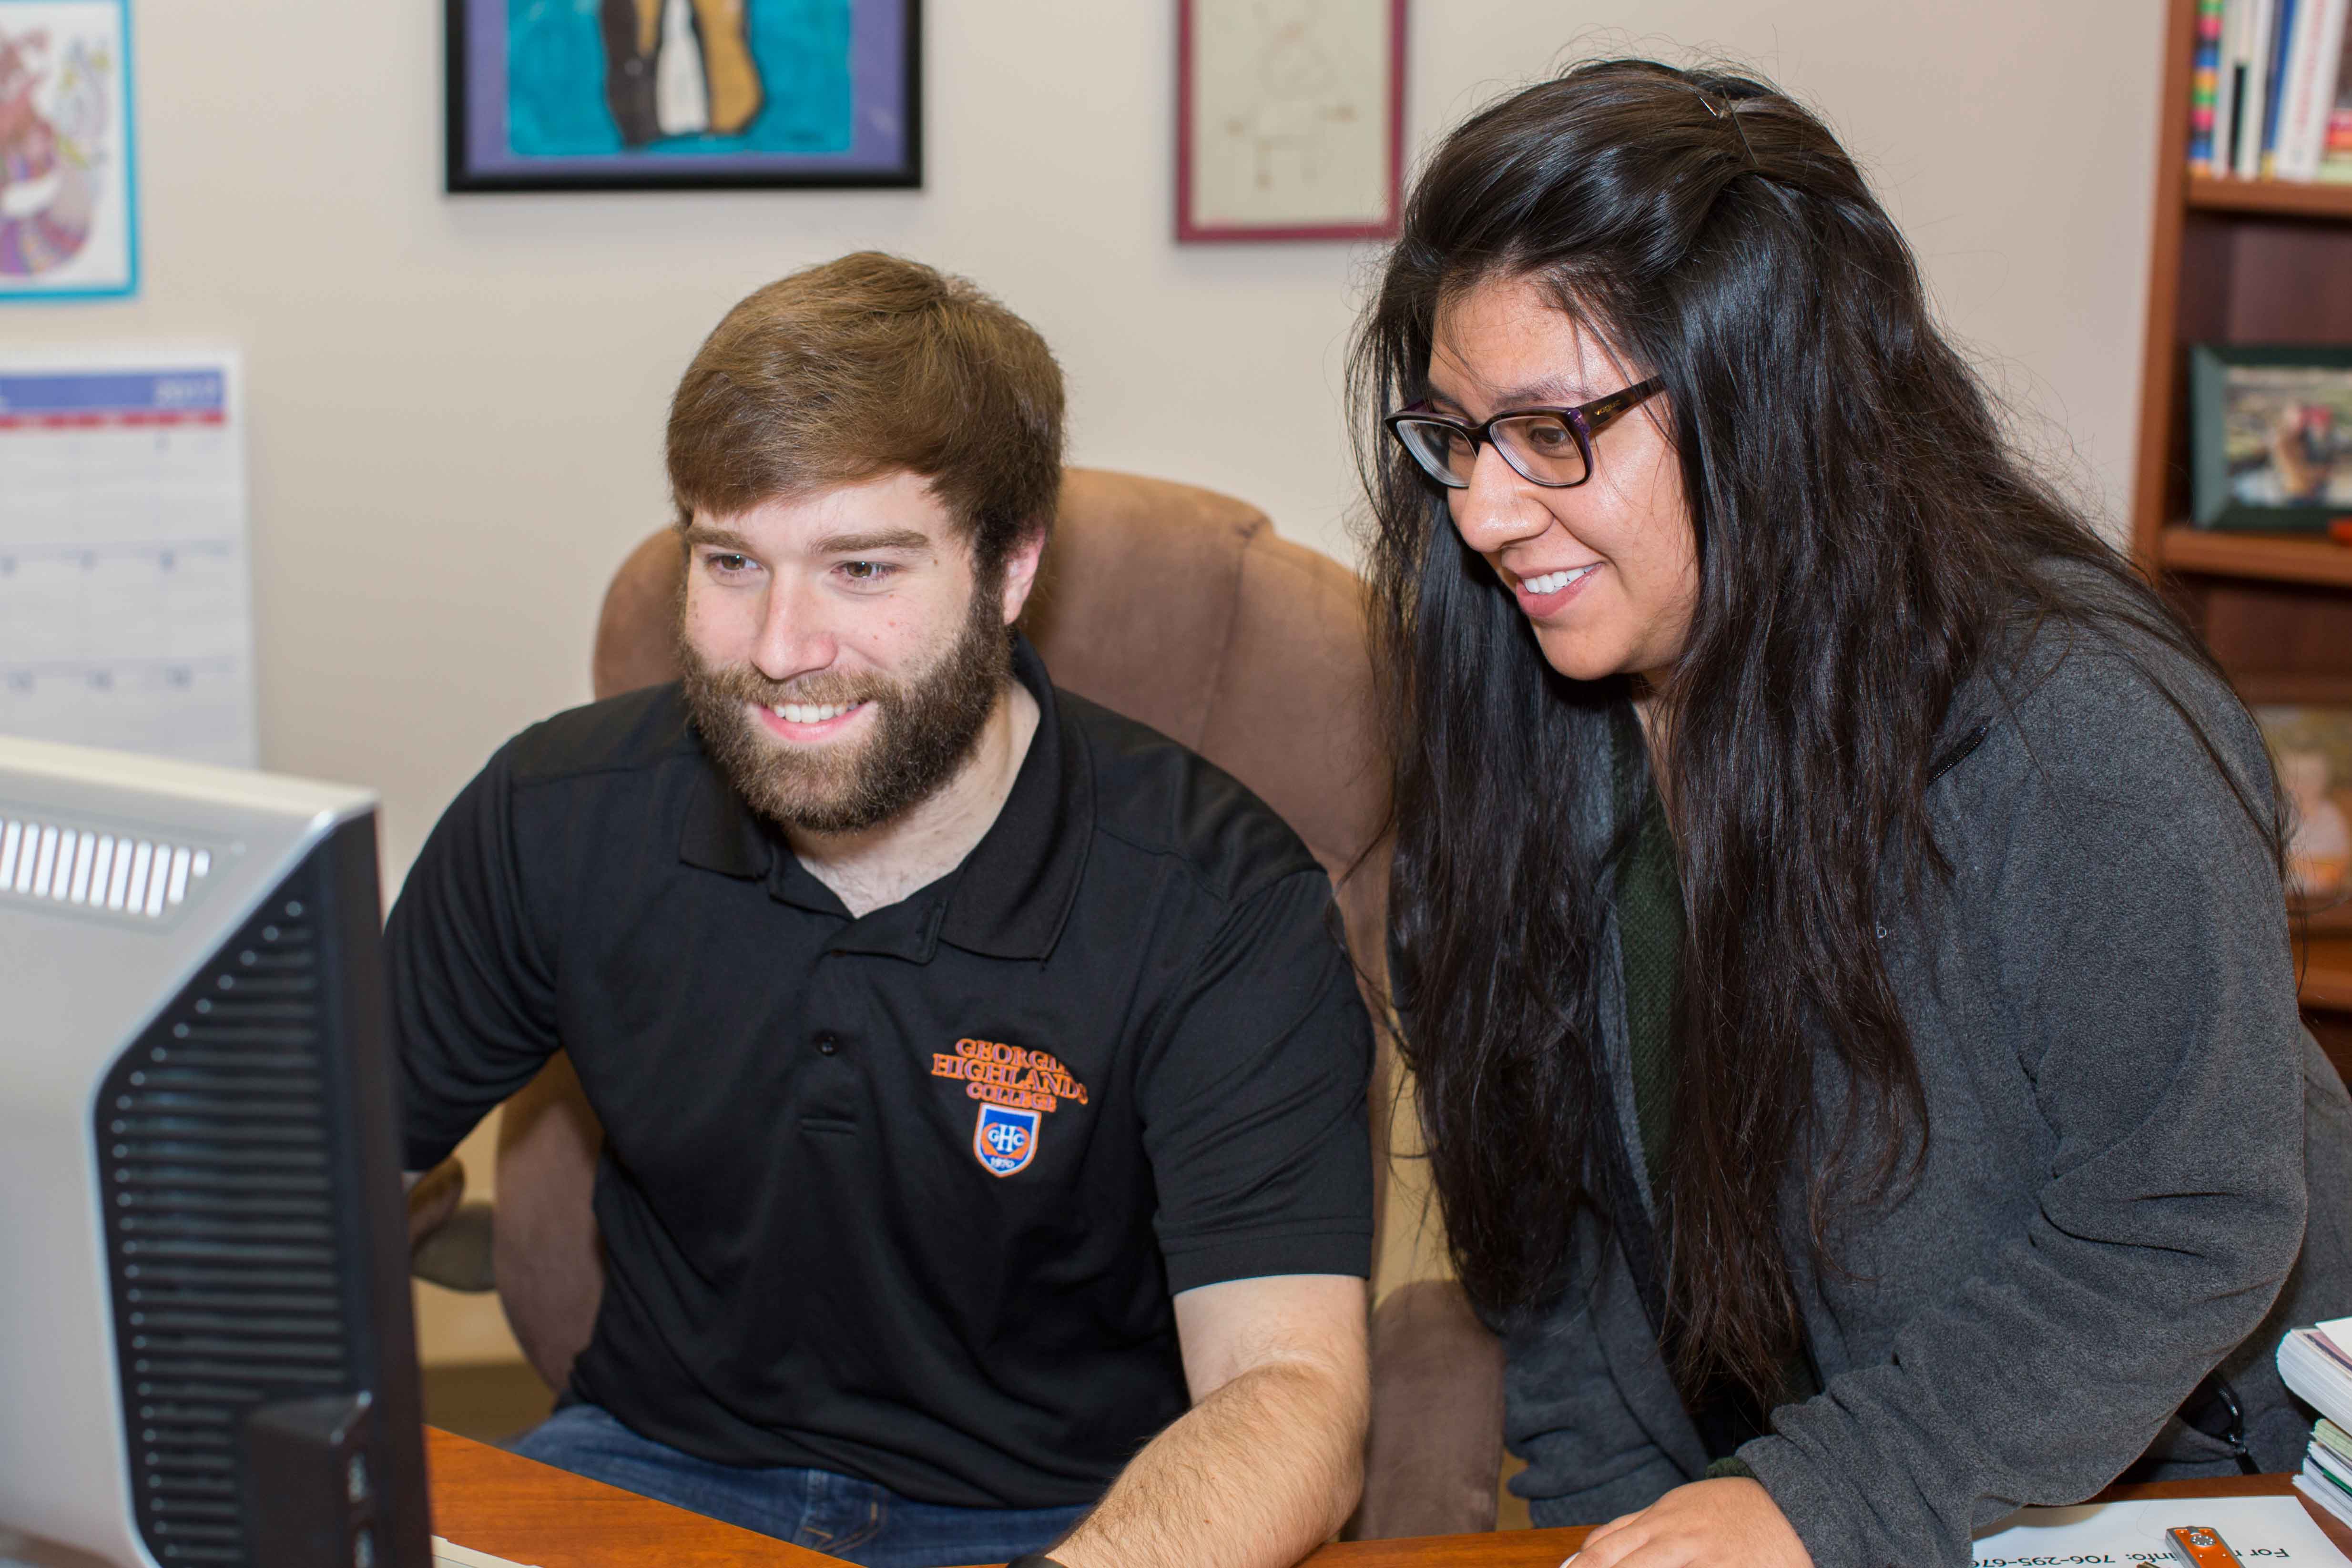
2270, 436
2312, 749
613, 95
1289, 118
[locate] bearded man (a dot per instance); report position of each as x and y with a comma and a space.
982, 1082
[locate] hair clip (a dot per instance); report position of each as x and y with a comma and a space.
1731, 113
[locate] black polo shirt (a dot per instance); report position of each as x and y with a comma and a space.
906, 1196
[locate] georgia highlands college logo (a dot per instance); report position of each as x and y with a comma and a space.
1004, 1138
1017, 1090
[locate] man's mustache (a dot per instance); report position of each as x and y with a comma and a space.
744, 684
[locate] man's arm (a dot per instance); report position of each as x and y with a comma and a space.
1255, 1117
469, 978
433, 1196
1269, 1460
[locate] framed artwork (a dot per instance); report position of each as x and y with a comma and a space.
68, 186
2312, 749
1289, 118
612, 95
2270, 436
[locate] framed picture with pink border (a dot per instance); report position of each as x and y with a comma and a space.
1289, 118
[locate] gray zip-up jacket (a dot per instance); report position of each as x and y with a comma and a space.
2124, 1114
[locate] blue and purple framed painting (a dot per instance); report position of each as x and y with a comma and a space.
554, 95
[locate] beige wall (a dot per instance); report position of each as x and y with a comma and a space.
456, 404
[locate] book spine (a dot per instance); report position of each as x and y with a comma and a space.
2319, 47
2204, 77
2327, 83
2254, 49
2274, 84
2335, 109
2331, 1465
2293, 85
2225, 87
2335, 163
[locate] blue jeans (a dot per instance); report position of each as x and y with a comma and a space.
835, 1514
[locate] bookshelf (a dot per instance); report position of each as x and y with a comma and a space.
2293, 197
2327, 981
2245, 261
2263, 557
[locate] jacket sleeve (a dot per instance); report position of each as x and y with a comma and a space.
2132, 945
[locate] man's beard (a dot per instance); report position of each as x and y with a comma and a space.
923, 729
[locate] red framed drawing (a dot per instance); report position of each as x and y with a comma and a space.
1289, 118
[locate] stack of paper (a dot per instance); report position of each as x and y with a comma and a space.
2259, 1530
2327, 1476
2316, 1362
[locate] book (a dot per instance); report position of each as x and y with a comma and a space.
2225, 87
2335, 155
2316, 1364
2313, 1362
2308, 88
2249, 58
2328, 83
2334, 1439
2315, 1484
2274, 68
2204, 75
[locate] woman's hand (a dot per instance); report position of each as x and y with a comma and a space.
1729, 1524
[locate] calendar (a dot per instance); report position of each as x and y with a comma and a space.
125, 581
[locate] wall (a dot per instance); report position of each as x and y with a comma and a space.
456, 402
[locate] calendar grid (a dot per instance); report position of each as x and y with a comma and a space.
125, 585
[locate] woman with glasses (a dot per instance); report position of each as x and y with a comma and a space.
1837, 922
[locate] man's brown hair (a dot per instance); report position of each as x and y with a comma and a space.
865, 366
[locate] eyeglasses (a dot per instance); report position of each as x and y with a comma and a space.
1548, 446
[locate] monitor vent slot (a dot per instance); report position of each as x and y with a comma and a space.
214, 1136
130, 877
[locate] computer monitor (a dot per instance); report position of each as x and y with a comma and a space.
206, 1354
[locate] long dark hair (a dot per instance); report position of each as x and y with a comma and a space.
1867, 538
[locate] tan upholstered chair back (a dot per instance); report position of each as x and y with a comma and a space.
1175, 606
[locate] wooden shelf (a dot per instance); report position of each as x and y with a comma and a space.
2276, 610
2294, 689
2325, 963
2284, 198
2274, 557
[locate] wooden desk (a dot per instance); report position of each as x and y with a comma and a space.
495, 1502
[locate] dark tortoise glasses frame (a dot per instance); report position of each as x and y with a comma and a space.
1548, 446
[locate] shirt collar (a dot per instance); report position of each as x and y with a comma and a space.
1008, 900
722, 834
1015, 890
